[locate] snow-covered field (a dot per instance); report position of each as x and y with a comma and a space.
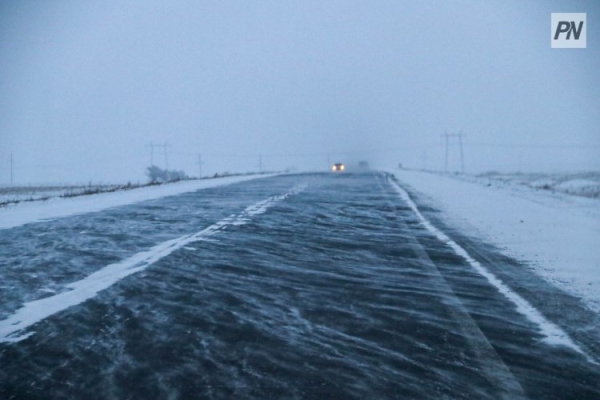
57, 207
586, 184
557, 234
10, 194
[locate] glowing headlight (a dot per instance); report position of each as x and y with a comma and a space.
342, 168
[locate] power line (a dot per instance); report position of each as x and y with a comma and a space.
535, 146
319, 154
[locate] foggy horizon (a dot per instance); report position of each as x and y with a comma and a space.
87, 88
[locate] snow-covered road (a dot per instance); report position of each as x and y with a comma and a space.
345, 286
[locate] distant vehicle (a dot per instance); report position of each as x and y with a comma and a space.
338, 167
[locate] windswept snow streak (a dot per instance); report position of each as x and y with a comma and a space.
553, 334
11, 329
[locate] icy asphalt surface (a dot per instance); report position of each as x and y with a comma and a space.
303, 286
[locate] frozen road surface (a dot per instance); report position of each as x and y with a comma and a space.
309, 286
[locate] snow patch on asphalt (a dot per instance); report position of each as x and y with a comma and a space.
23, 213
553, 334
11, 329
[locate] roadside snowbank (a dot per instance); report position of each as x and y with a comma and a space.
23, 213
556, 234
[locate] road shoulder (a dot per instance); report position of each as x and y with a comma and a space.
556, 238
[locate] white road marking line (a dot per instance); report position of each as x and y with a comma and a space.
11, 329
552, 333
490, 363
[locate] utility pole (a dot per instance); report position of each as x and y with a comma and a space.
164, 146
11, 169
151, 145
459, 136
166, 159
462, 162
446, 159
328, 162
200, 166
260, 163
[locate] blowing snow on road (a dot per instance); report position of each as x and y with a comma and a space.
328, 286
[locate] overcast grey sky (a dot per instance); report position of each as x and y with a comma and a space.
86, 86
